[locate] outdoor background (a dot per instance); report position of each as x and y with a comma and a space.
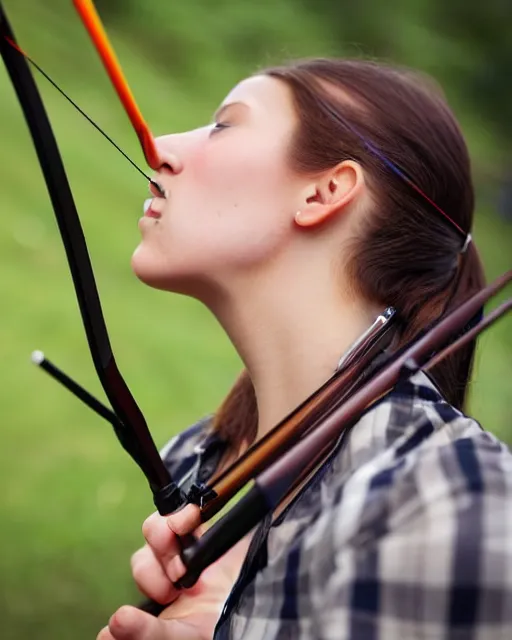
71, 501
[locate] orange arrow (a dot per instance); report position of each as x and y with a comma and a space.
93, 24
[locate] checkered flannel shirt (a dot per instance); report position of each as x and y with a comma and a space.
404, 533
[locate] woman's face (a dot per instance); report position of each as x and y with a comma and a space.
231, 195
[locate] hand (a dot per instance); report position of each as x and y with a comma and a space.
157, 565
129, 623
193, 613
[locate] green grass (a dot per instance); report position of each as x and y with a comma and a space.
71, 501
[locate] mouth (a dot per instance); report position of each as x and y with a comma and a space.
149, 211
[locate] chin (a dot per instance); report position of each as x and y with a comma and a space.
159, 275
146, 269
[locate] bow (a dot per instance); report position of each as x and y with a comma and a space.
272, 482
129, 423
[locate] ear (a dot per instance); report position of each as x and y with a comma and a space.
330, 194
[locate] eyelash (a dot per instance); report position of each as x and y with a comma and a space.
219, 126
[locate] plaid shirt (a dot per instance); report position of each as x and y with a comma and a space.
404, 533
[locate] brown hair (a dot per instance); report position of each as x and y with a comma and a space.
407, 255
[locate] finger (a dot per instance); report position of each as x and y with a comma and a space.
129, 623
162, 535
151, 578
175, 569
185, 520
162, 540
105, 634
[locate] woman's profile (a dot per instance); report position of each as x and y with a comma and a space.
325, 191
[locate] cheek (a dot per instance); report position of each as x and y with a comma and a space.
240, 164
236, 203
244, 184
230, 209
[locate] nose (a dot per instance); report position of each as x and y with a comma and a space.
168, 162
171, 162
168, 157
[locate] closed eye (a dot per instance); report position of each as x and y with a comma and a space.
219, 126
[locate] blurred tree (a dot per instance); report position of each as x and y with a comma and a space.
113, 8
466, 45
485, 28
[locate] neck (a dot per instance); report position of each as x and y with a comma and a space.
291, 337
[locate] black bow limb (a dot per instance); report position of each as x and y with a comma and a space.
132, 430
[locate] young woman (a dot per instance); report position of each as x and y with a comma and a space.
324, 192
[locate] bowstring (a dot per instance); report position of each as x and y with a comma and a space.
81, 111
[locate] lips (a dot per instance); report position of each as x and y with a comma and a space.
149, 211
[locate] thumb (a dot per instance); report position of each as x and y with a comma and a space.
129, 623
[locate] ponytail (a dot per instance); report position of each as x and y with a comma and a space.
236, 420
453, 373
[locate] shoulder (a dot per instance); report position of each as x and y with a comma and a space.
181, 454
424, 529
461, 486
439, 466
445, 457
404, 532
415, 474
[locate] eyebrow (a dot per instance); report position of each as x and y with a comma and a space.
221, 110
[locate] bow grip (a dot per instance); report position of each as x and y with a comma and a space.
222, 536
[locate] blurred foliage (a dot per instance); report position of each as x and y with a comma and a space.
72, 502
465, 45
